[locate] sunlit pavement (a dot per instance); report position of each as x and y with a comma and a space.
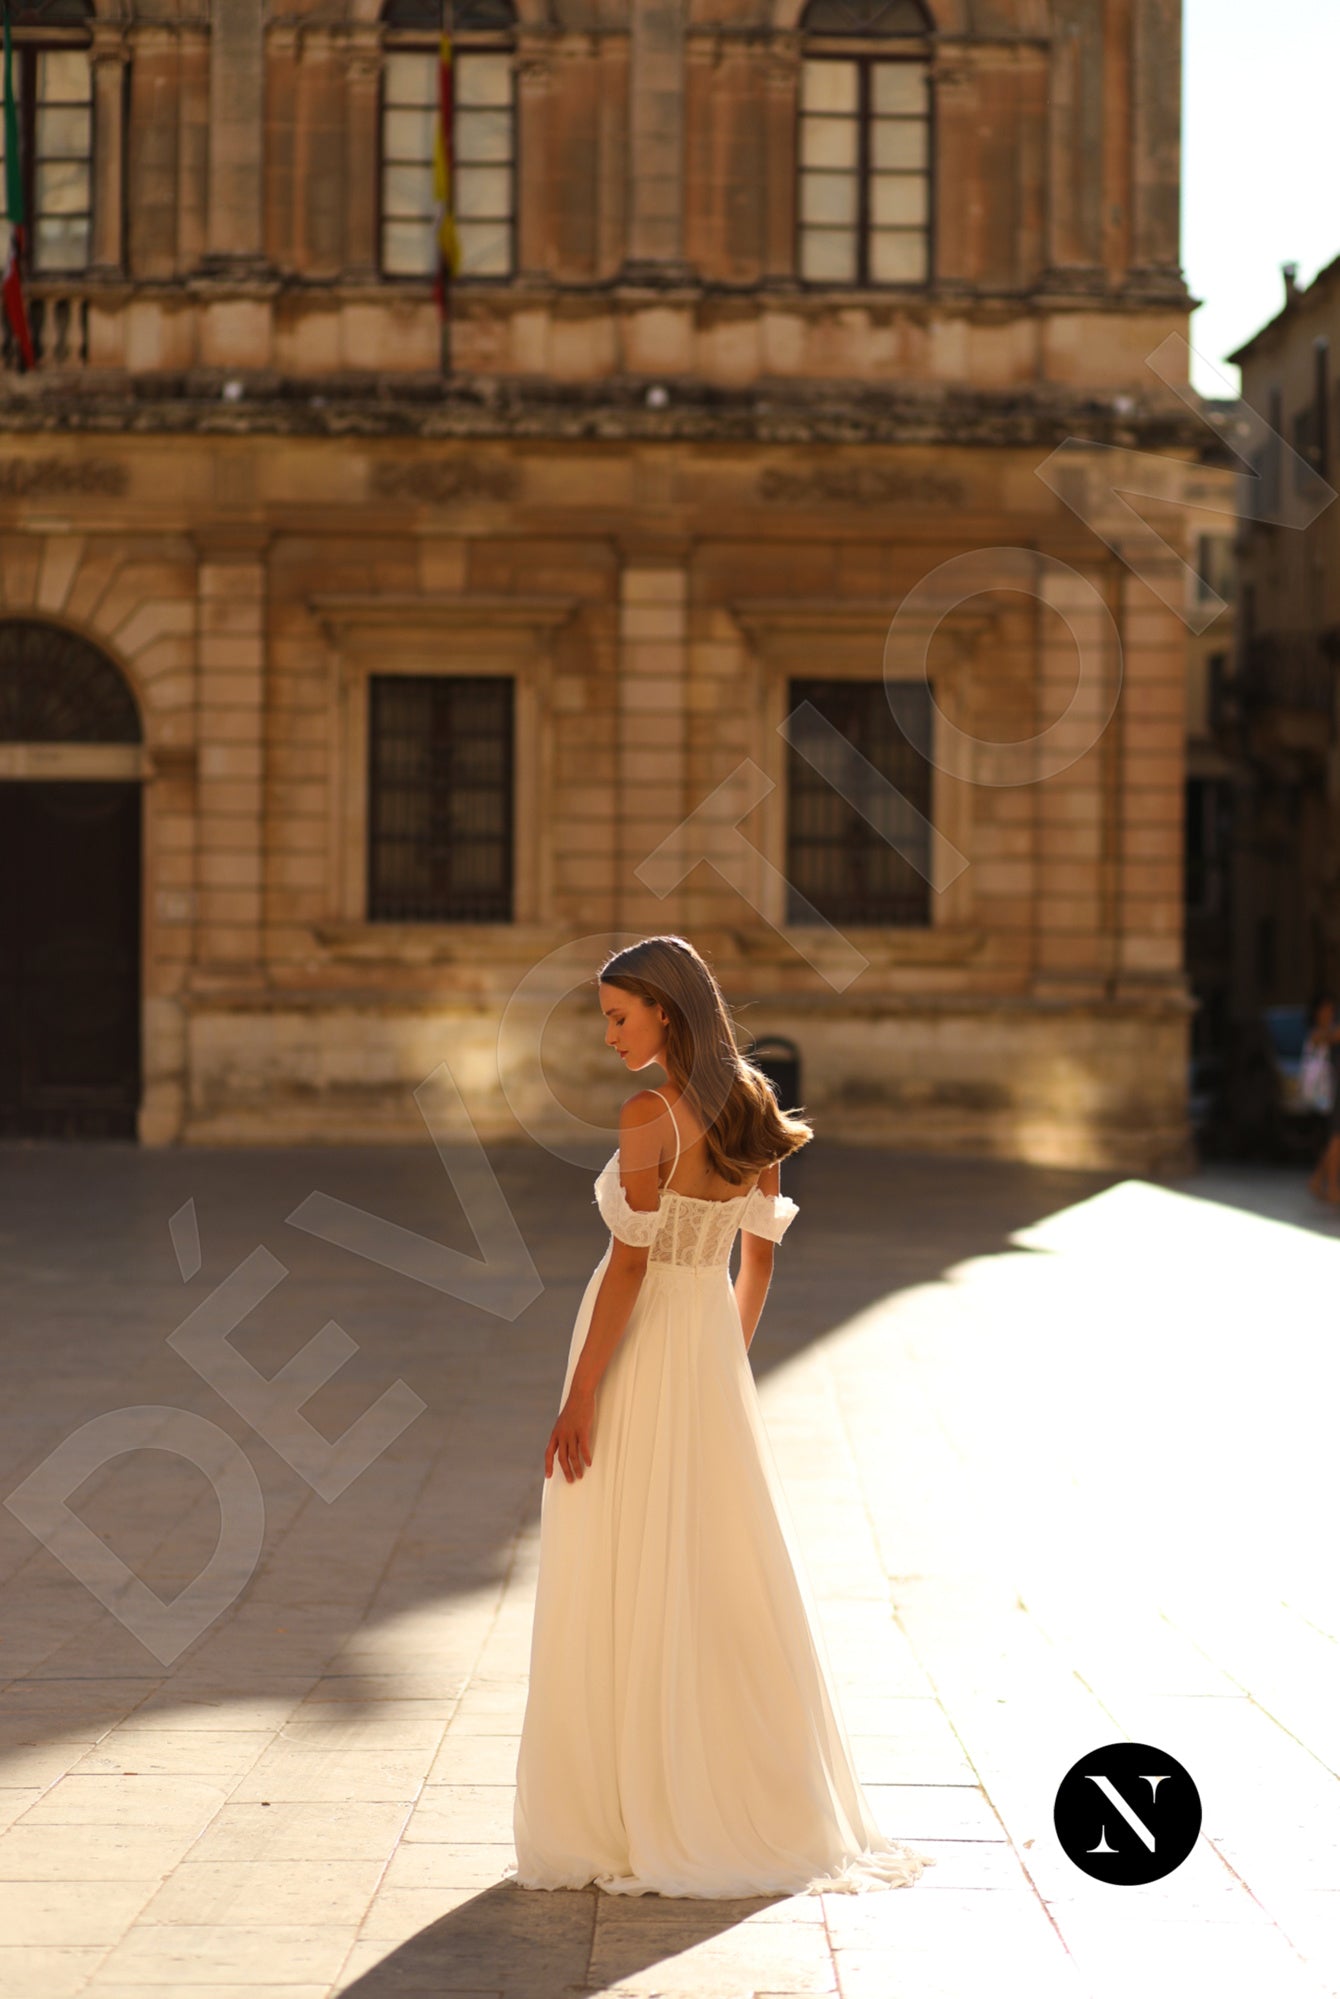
1060, 1453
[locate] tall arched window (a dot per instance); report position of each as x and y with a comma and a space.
53, 90
865, 143
483, 136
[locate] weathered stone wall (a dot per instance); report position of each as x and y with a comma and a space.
657, 151
660, 479
652, 604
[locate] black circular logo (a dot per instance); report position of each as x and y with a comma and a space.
1127, 1813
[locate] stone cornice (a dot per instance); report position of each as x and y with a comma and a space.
780, 627
1055, 292
613, 410
508, 620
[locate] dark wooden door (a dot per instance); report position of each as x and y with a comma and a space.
69, 959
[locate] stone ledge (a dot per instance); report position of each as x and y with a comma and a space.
613, 409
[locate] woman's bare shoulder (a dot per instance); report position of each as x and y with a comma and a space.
641, 1108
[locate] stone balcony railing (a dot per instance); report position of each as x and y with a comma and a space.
268, 323
58, 323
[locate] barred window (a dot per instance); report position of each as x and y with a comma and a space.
53, 87
483, 137
864, 147
440, 798
843, 862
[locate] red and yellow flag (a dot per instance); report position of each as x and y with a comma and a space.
448, 242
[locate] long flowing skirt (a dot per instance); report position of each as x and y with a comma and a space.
681, 1733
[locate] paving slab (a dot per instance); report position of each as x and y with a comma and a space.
1058, 1454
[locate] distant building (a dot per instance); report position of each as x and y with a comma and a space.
349, 673
1215, 774
1288, 652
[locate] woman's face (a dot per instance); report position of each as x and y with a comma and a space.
634, 1028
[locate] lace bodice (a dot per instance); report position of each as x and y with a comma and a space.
683, 1229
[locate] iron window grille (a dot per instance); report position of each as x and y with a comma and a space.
853, 867
57, 687
440, 798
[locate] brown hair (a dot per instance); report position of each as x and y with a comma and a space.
744, 1127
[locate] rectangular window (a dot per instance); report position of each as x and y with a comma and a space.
836, 859
864, 158
1215, 568
483, 135
54, 89
483, 144
440, 798
409, 121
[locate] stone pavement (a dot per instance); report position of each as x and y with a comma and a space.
1060, 1454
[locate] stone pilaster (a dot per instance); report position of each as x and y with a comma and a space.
235, 206
231, 724
534, 186
362, 74
1075, 146
781, 91
652, 727
193, 147
1156, 148
1077, 679
655, 242
1152, 787
109, 56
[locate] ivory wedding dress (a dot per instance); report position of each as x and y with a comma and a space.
681, 1733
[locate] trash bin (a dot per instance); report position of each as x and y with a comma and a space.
778, 1059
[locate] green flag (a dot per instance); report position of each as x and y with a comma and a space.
11, 285
13, 157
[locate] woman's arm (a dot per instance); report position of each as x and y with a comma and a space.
639, 1160
756, 1261
618, 1294
751, 1286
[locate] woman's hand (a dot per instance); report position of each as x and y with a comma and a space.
570, 1438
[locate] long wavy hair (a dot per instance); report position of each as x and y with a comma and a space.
744, 1127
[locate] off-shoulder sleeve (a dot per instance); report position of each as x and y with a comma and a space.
637, 1226
769, 1215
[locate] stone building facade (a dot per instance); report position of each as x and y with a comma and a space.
362, 681
1214, 772
1283, 727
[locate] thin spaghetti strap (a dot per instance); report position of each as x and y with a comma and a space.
675, 1122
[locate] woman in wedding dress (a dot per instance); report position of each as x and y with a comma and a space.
681, 1734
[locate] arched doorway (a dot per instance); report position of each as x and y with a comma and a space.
69, 888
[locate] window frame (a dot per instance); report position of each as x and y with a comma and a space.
437, 635
876, 693
30, 43
865, 52
507, 840
464, 42
782, 638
